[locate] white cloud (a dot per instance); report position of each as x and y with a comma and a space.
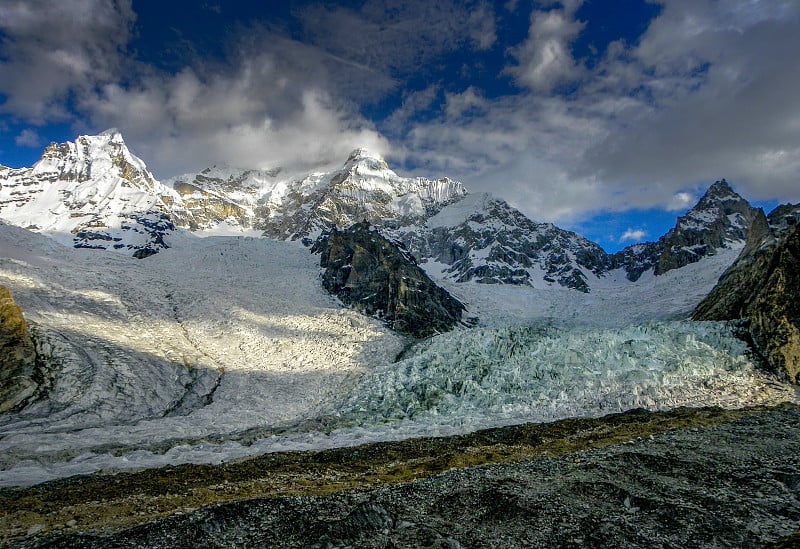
28, 138
717, 86
709, 91
262, 114
544, 59
633, 235
52, 49
680, 201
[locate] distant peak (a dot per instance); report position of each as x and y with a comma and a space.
720, 191
721, 186
365, 158
363, 153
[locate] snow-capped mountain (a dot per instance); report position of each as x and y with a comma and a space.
721, 219
364, 189
482, 238
291, 208
222, 347
95, 193
221, 194
92, 193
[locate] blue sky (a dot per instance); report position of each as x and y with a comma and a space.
606, 117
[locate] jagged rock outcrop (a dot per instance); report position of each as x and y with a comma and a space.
365, 188
763, 288
720, 219
482, 238
17, 355
377, 277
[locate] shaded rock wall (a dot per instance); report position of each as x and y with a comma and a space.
763, 288
377, 277
17, 354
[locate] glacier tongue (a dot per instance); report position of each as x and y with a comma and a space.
490, 376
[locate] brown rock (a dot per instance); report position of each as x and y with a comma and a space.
378, 278
17, 354
763, 288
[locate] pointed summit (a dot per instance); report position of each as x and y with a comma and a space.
367, 158
720, 194
721, 219
92, 193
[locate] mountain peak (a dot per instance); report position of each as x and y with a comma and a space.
362, 153
719, 193
113, 133
366, 157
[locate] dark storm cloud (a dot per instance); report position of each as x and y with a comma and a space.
51, 49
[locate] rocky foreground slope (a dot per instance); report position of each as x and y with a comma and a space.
686, 478
17, 355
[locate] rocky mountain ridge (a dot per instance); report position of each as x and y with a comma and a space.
94, 193
721, 219
762, 288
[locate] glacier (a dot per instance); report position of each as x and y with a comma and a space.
223, 347
223, 344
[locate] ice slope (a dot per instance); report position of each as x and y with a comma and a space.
614, 301
224, 347
488, 376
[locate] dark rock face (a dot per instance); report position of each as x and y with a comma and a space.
379, 278
719, 219
497, 244
17, 355
763, 288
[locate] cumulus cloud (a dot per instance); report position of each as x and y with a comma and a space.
52, 49
716, 85
708, 91
263, 112
545, 60
28, 138
633, 235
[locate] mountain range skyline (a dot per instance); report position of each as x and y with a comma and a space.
604, 118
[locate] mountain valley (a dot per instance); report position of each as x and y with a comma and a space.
235, 313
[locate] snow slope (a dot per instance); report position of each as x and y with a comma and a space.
172, 348
91, 193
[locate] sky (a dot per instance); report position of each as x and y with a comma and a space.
608, 117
